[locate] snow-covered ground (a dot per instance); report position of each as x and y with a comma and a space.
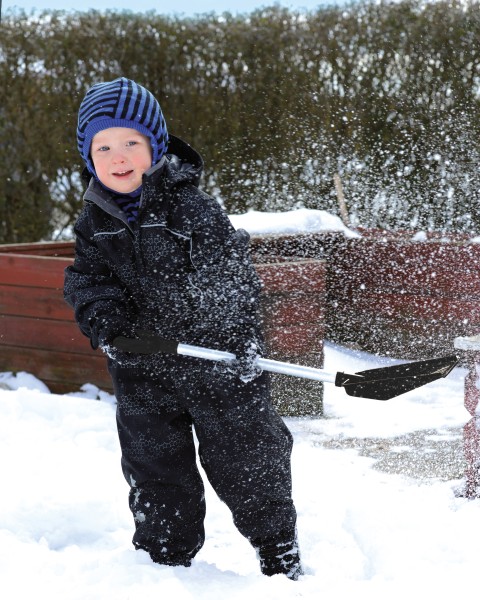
65, 527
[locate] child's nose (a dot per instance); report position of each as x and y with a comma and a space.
119, 157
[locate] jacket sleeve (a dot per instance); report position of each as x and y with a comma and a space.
91, 288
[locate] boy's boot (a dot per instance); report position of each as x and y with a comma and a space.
171, 561
282, 558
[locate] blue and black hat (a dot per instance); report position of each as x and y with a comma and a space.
120, 103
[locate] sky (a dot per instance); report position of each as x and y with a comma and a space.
186, 8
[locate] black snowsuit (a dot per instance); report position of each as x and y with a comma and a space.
181, 270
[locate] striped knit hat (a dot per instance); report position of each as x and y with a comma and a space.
120, 103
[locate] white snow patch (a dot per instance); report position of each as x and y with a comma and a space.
420, 236
293, 221
65, 526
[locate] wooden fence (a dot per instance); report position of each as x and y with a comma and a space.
402, 298
390, 295
38, 333
381, 293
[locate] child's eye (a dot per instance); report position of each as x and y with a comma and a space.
103, 149
132, 143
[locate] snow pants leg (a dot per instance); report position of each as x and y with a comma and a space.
159, 463
245, 451
244, 448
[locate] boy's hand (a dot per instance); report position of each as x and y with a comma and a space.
245, 364
106, 328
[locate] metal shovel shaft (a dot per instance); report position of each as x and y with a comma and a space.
274, 366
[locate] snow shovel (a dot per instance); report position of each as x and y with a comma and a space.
376, 384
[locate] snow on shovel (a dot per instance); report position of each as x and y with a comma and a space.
377, 384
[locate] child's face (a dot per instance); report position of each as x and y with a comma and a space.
121, 156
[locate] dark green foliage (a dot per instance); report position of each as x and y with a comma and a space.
385, 94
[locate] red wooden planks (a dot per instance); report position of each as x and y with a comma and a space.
44, 303
33, 271
60, 371
29, 332
293, 276
66, 249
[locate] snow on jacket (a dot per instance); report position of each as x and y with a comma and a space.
180, 270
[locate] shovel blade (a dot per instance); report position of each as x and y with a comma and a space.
388, 382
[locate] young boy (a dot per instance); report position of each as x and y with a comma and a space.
154, 253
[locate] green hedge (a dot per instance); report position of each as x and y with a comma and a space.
385, 94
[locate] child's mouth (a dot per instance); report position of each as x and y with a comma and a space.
123, 174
